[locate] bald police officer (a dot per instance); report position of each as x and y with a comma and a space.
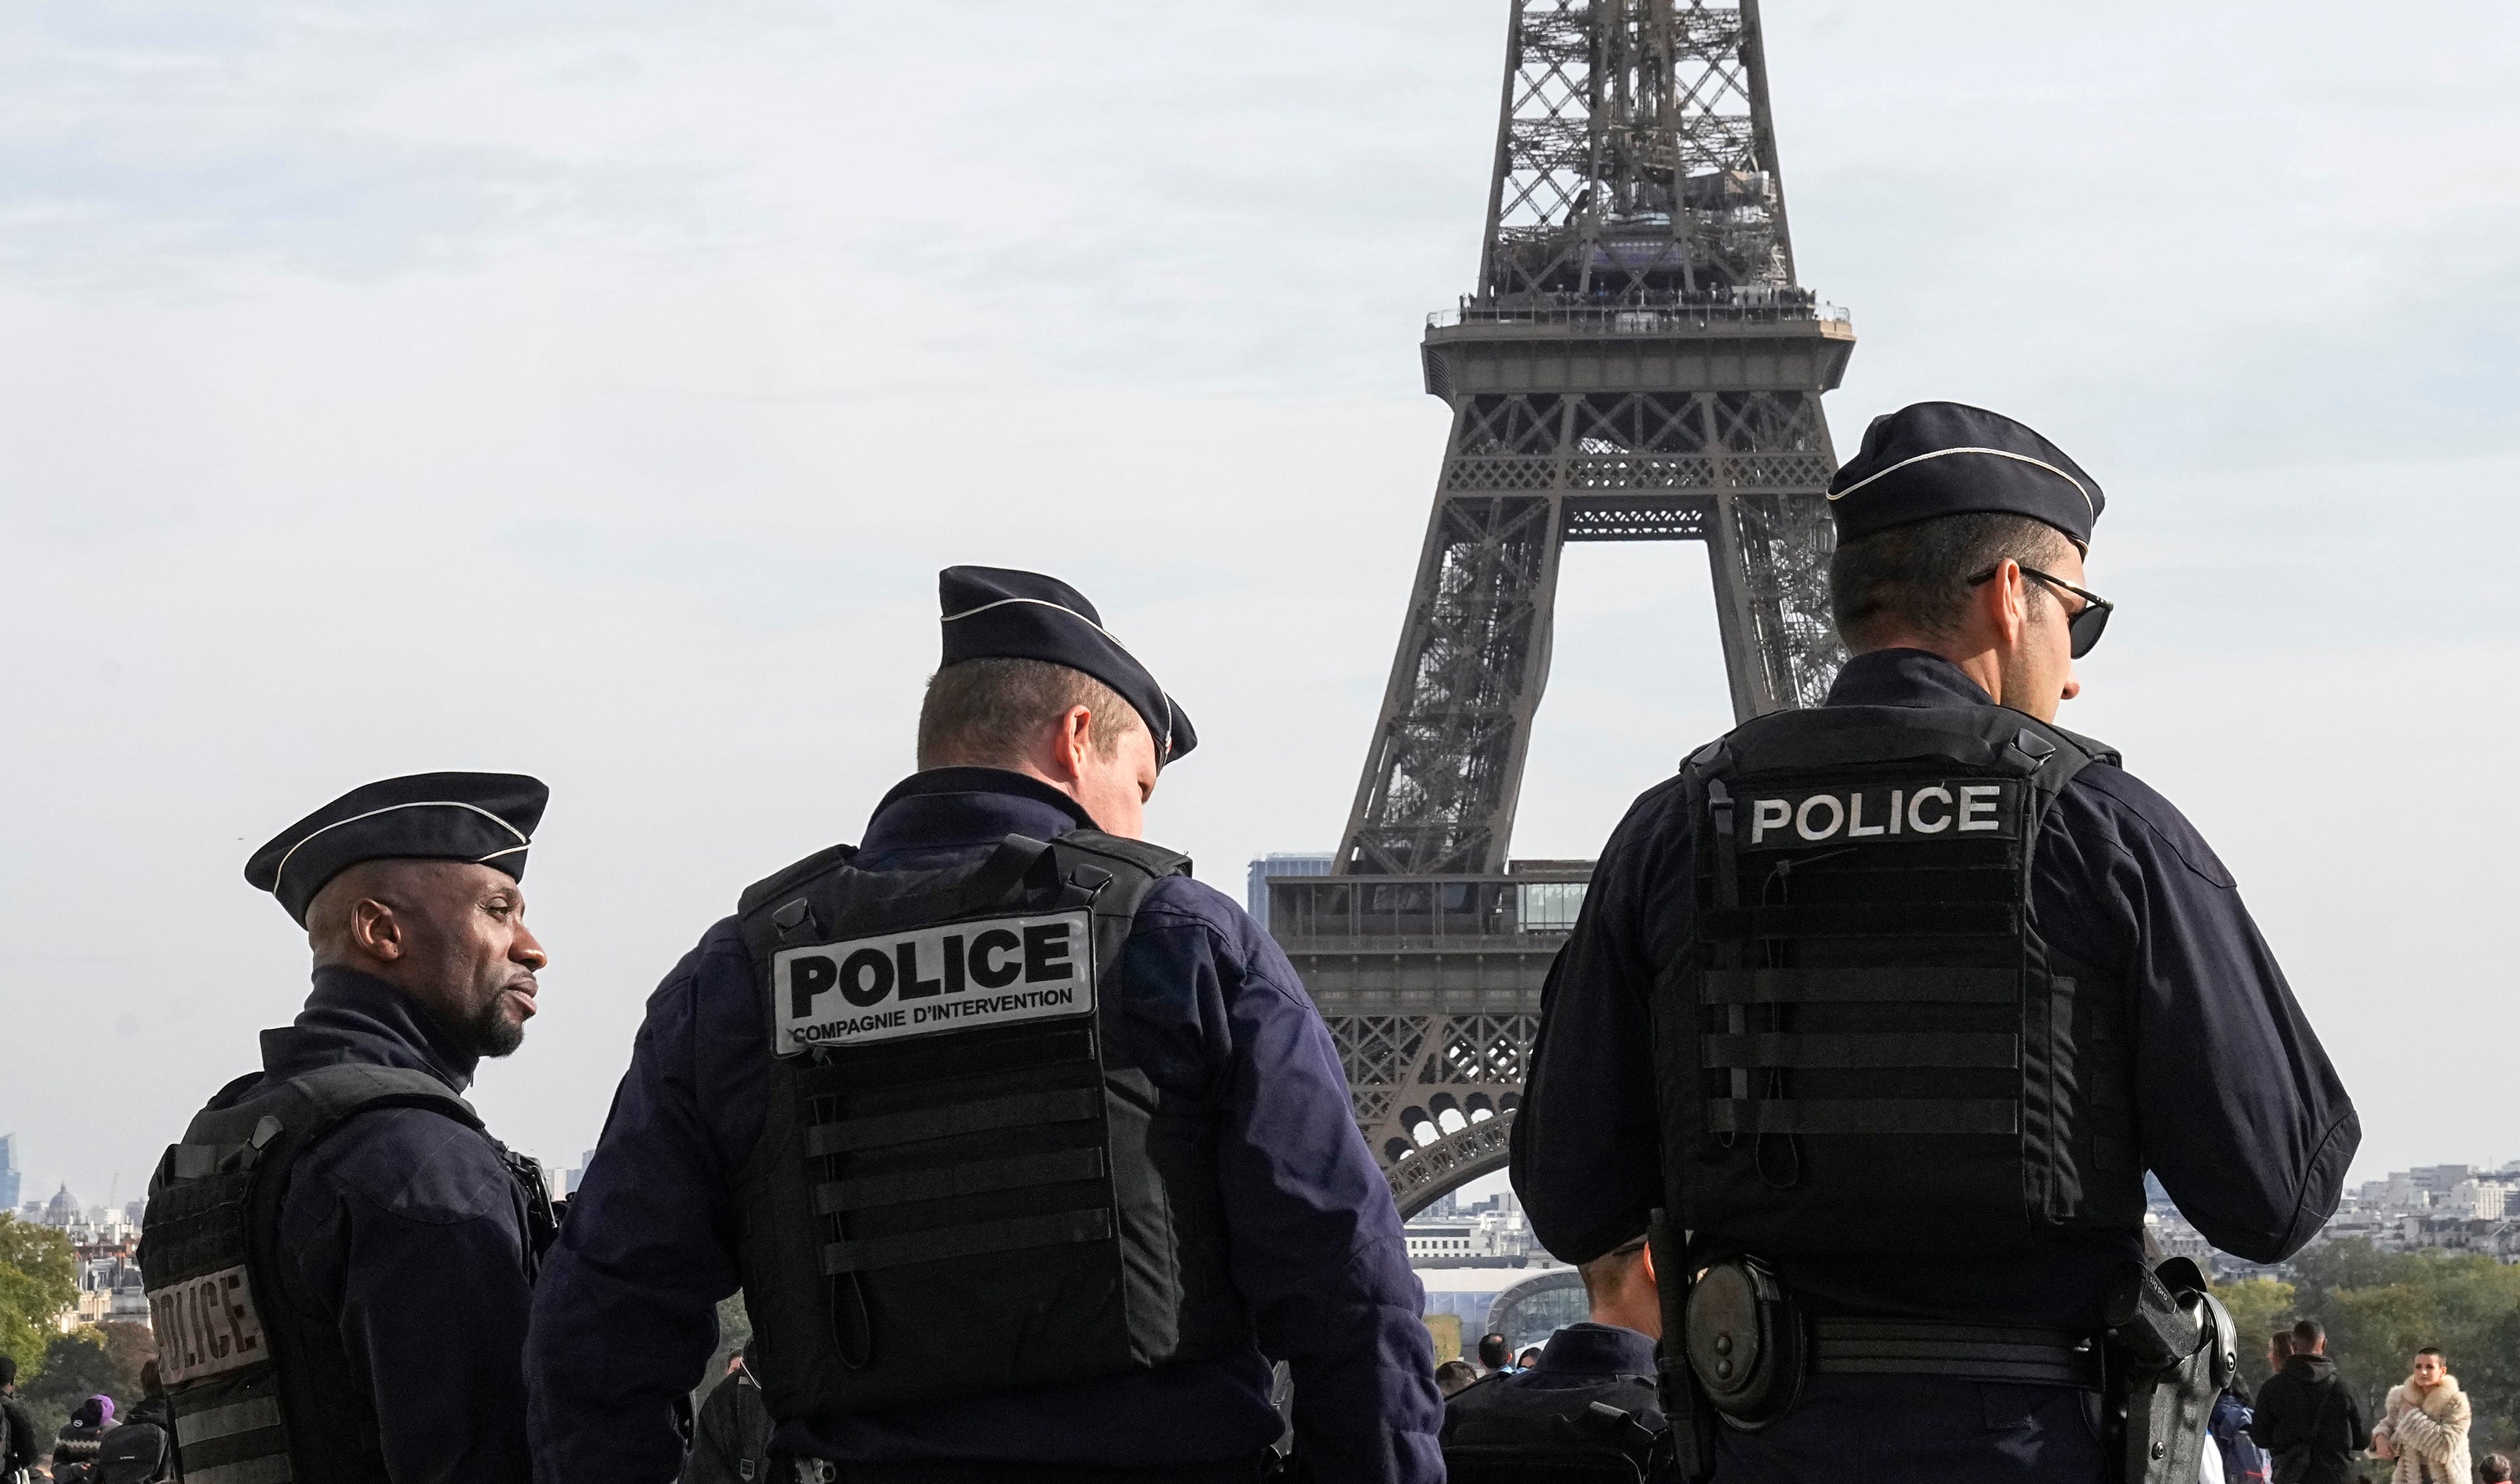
1889, 1005
339, 1256
1027, 1152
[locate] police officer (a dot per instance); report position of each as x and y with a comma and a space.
1889, 1005
339, 1256
1027, 1149
1588, 1411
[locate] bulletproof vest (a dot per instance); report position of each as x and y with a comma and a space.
1865, 1045
965, 1184
1502, 1430
261, 1390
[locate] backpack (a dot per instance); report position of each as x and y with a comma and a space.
135, 1452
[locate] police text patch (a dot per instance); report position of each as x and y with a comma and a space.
206, 1325
1883, 813
962, 975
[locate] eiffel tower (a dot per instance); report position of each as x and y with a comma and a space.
1636, 364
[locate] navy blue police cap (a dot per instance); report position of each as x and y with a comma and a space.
1943, 459
485, 818
992, 613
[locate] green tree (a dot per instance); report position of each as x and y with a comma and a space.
76, 1366
38, 1279
2258, 1306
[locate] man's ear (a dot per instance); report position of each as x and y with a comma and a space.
1647, 1265
375, 931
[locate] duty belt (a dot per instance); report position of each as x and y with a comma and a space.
2020, 1354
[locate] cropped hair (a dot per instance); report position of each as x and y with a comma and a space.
988, 713
1609, 1270
2306, 1335
1914, 578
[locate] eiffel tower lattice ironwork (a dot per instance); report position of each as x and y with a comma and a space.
1637, 364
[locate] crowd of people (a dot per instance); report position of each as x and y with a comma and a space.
93, 1447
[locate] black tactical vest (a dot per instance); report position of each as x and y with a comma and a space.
963, 1186
260, 1387
1865, 1045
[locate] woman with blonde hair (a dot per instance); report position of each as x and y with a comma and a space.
2426, 1426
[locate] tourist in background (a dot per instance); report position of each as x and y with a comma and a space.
17, 1434
1496, 1354
1452, 1376
2495, 1470
2307, 1416
75, 1449
2425, 1429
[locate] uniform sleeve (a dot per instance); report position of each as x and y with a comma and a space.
1316, 1243
625, 1316
1586, 1150
410, 1228
2240, 1112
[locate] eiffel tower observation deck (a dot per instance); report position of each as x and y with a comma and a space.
1637, 363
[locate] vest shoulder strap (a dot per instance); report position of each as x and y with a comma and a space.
1146, 856
805, 870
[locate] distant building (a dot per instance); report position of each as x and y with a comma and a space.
9, 1178
2477, 1199
62, 1210
576, 1176
1256, 897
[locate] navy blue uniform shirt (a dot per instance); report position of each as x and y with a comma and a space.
624, 1317
406, 1228
2236, 1107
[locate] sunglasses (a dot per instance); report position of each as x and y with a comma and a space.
2087, 623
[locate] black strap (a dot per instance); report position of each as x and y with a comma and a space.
1864, 1115
1900, 1049
1860, 986
1013, 1173
943, 1244
2025, 1355
1863, 920
1068, 1106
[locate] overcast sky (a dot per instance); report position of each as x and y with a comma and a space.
594, 390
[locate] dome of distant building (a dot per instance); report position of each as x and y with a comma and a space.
62, 1210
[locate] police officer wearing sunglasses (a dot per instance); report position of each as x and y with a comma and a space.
1879, 1012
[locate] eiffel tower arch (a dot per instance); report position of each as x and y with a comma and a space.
1637, 363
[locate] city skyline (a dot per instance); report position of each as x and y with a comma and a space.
572, 340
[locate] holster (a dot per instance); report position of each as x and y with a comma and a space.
2172, 1351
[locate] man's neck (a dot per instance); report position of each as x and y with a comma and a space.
1982, 666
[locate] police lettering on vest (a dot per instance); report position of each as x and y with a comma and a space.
1793, 820
997, 972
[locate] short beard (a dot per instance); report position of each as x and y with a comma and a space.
492, 1033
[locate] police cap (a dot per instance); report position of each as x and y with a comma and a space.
995, 613
1943, 459
485, 818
